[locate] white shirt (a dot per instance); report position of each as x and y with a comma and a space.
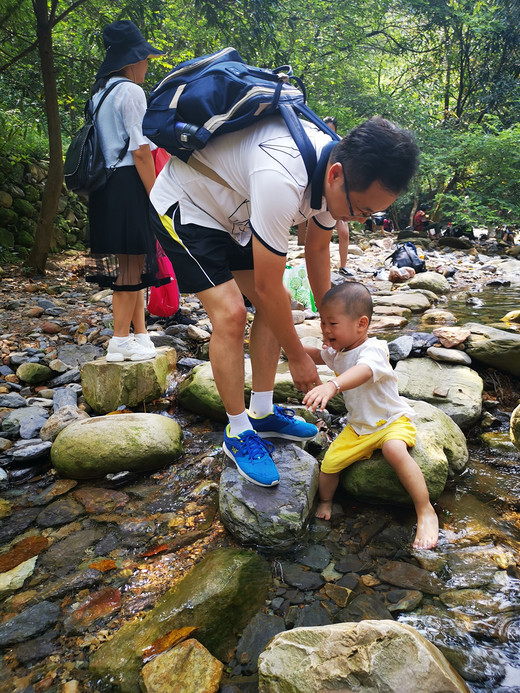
270, 191
376, 403
120, 117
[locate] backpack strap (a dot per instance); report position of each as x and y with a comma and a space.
207, 171
92, 113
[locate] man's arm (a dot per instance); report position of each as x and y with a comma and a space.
317, 258
268, 273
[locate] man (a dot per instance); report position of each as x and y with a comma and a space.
226, 232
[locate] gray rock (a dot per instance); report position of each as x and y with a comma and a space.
455, 390
314, 614
400, 348
77, 356
71, 583
494, 347
32, 419
64, 396
298, 577
12, 400
432, 281
62, 417
61, 512
29, 623
455, 356
270, 517
30, 451
64, 556
30, 425
72, 376
254, 639
315, 556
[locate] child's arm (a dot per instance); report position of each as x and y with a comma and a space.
315, 355
318, 397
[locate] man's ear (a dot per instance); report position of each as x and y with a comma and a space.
335, 172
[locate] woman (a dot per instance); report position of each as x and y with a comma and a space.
122, 245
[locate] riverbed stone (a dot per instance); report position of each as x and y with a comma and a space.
218, 596
13, 579
440, 451
23, 422
365, 656
255, 637
455, 356
271, 517
514, 429
61, 418
415, 301
432, 281
494, 347
30, 622
34, 373
120, 442
455, 390
107, 386
188, 667
410, 577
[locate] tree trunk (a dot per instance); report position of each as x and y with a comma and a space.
37, 258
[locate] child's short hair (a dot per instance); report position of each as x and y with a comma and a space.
355, 299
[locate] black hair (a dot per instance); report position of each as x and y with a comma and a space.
377, 150
331, 120
355, 299
101, 82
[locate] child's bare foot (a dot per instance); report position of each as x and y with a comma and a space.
427, 533
324, 510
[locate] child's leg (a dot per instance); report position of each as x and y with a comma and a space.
327, 486
409, 473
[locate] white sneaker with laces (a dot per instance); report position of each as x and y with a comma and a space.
129, 350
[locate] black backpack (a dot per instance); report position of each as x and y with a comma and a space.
85, 169
219, 93
405, 255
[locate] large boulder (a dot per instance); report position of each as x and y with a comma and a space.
494, 347
416, 301
368, 656
218, 596
455, 390
440, 451
432, 281
514, 431
107, 386
119, 442
271, 517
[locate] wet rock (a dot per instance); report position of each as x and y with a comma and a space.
64, 556
37, 649
226, 581
403, 600
17, 523
64, 396
514, 430
500, 444
107, 386
122, 442
314, 614
13, 579
188, 667
30, 622
99, 500
61, 512
473, 566
410, 577
431, 281
314, 556
494, 347
270, 517
55, 589
419, 379
474, 602
99, 605
440, 451
365, 607
382, 655
339, 595
34, 450
29, 419
33, 373
296, 576
255, 637
61, 418
12, 400
400, 348
449, 356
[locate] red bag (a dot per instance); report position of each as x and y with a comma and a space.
164, 300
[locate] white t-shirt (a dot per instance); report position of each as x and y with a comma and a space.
376, 403
270, 191
119, 117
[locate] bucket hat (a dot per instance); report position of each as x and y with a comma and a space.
125, 45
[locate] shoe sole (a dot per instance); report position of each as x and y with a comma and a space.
242, 473
119, 358
285, 436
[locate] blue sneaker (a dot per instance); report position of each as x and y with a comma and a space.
252, 457
282, 423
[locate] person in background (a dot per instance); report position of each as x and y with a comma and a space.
342, 227
420, 220
122, 246
378, 417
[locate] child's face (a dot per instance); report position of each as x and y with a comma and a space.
340, 331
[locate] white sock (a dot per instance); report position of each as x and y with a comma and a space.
239, 423
261, 403
122, 341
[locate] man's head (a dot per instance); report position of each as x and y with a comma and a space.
369, 168
331, 122
346, 312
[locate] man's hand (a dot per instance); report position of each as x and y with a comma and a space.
304, 373
318, 397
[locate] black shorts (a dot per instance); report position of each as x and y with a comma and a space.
201, 257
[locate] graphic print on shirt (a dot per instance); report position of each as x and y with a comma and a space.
283, 150
239, 221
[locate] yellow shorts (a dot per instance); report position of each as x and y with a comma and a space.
349, 447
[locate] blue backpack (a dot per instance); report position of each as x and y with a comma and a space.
219, 93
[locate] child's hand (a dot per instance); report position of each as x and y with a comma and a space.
318, 397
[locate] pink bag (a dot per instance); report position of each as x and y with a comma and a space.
164, 299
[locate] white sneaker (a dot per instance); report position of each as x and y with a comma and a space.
128, 351
145, 341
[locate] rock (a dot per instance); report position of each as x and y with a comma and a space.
365, 607
453, 356
432, 281
255, 637
65, 555
400, 348
24, 422
410, 577
514, 430
440, 451
451, 336
107, 386
219, 596
30, 450
77, 356
274, 517
13, 579
121, 442
416, 301
12, 400
64, 396
418, 379
33, 373
501, 443
62, 418
494, 347
365, 656
60, 512
296, 576
188, 667
437, 316
30, 622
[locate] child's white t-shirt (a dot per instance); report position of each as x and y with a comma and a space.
376, 403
